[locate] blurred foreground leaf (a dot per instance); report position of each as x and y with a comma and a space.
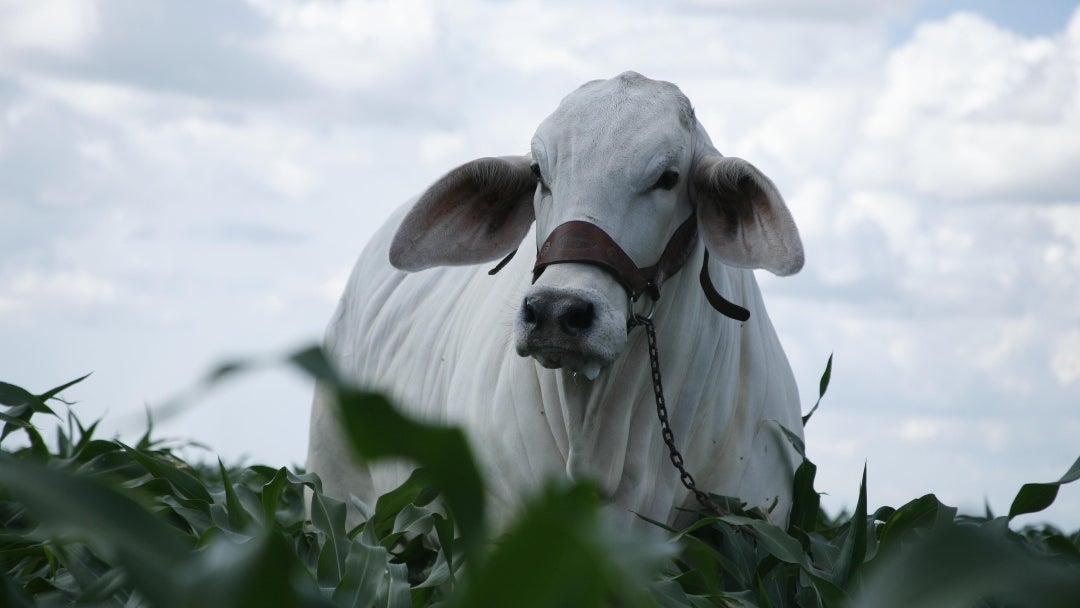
1035, 497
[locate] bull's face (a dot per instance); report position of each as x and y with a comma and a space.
614, 154
627, 156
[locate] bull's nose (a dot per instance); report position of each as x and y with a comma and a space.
569, 315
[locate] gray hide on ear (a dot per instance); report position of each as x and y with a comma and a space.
743, 218
478, 212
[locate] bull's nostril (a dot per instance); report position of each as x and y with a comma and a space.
528, 313
578, 318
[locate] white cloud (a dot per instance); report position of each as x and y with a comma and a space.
830, 10
1066, 357
970, 110
77, 291
361, 44
62, 27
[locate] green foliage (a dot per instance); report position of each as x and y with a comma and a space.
95, 522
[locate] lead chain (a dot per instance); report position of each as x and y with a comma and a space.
665, 427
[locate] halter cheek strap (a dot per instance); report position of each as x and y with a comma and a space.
585, 243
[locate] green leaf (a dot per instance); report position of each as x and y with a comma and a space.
365, 568
773, 539
965, 565
239, 518
795, 441
14, 420
328, 517
417, 489
147, 547
49, 394
185, 483
919, 513
15, 396
313, 361
263, 572
271, 493
558, 554
418, 520
823, 385
444, 531
853, 551
377, 430
806, 502
1035, 497
10, 595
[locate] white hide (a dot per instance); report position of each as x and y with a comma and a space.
444, 342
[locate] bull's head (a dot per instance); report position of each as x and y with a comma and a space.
626, 156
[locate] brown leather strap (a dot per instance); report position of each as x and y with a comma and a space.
675, 255
504, 262
721, 304
585, 243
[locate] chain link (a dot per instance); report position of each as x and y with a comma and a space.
665, 427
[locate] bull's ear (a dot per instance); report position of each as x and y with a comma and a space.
742, 217
476, 213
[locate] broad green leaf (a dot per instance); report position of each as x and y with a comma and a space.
806, 502
444, 531
271, 492
773, 539
853, 551
418, 489
185, 483
669, 594
147, 547
742, 599
1035, 497
313, 361
414, 519
919, 513
328, 516
395, 587
365, 568
13, 420
377, 430
263, 572
965, 566
557, 554
10, 595
15, 396
239, 518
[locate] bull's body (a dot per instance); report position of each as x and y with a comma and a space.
441, 343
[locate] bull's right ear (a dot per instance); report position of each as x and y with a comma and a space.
476, 213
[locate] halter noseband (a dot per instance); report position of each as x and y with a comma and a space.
586, 243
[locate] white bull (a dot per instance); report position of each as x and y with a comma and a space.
544, 377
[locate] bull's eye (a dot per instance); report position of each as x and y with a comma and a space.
667, 180
536, 172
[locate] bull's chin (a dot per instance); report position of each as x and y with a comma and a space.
571, 361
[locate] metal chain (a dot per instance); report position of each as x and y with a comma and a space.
665, 427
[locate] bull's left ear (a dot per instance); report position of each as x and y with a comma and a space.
476, 213
743, 218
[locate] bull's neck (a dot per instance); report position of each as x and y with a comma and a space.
600, 418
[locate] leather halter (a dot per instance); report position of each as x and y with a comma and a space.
586, 243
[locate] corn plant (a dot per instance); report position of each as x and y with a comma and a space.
89, 521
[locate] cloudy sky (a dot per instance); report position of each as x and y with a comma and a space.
187, 182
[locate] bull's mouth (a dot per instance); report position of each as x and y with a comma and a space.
574, 361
